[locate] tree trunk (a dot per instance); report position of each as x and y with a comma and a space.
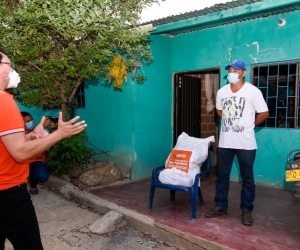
64, 110
71, 112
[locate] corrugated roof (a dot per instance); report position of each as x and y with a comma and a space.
197, 13
214, 9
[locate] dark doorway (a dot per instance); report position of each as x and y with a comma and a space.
193, 90
187, 106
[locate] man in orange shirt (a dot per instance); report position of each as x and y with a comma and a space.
18, 222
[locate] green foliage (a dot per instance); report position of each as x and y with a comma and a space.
69, 153
57, 45
141, 78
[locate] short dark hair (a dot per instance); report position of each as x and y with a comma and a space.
24, 113
54, 120
3, 52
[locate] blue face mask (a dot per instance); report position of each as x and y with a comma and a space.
29, 125
233, 78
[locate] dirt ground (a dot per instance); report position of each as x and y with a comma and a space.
64, 226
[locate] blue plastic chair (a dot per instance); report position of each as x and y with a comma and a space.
194, 190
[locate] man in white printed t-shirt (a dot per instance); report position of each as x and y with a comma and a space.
242, 107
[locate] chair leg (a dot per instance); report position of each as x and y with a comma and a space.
152, 190
200, 197
193, 205
172, 195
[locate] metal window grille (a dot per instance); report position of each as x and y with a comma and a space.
279, 84
80, 96
79, 99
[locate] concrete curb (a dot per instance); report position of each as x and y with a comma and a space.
141, 222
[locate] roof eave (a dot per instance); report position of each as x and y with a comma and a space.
238, 14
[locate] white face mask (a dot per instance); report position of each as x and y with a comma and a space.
14, 80
233, 78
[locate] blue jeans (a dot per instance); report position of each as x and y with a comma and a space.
38, 173
246, 160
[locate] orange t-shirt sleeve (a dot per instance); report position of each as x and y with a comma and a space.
10, 116
12, 173
40, 157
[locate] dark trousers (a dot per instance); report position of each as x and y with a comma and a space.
18, 222
246, 160
38, 173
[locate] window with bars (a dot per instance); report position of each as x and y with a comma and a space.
79, 99
279, 84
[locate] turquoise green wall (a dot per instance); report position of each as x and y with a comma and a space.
260, 40
133, 124
108, 114
153, 112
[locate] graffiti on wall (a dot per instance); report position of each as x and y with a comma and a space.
255, 53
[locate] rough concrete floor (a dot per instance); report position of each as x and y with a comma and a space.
64, 226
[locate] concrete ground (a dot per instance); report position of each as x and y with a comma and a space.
64, 226
276, 216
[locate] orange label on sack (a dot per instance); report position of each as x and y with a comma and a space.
179, 159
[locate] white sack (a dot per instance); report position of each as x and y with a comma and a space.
199, 149
175, 177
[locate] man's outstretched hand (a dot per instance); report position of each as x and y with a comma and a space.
64, 130
69, 128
